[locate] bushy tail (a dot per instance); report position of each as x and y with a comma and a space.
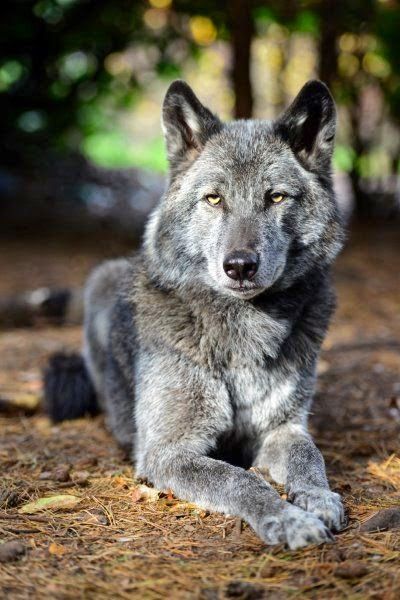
68, 390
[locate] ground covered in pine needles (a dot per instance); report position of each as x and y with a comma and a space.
103, 534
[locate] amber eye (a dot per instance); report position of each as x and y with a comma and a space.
213, 199
277, 197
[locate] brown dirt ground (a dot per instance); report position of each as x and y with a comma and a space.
117, 544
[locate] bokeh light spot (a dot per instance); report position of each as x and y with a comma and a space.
155, 18
203, 30
160, 3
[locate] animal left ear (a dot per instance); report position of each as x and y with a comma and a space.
309, 126
187, 125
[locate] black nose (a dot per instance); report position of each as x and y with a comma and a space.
241, 264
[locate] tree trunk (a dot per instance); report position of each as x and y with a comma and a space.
331, 28
330, 31
241, 35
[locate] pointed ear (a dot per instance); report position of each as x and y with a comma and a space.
309, 126
187, 125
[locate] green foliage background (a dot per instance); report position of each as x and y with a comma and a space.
61, 91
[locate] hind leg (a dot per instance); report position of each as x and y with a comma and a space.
105, 327
99, 299
119, 406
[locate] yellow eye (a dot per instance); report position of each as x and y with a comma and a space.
213, 199
276, 198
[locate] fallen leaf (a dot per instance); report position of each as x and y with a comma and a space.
120, 481
143, 492
56, 549
170, 494
11, 551
20, 402
197, 511
63, 501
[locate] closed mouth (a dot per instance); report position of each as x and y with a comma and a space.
244, 291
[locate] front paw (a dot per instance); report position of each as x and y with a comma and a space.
293, 527
322, 503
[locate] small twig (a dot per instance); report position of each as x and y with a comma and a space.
11, 517
20, 531
237, 531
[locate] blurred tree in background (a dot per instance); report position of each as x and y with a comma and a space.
86, 77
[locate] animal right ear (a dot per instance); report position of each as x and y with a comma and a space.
187, 125
309, 124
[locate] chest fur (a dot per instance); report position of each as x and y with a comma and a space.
260, 401
261, 398
214, 332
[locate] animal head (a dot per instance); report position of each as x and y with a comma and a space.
249, 205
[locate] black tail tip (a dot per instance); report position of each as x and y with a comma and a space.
68, 390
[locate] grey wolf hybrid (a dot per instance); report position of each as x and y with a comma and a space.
202, 348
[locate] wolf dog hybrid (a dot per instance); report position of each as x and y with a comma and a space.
201, 349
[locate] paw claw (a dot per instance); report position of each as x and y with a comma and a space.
294, 527
330, 535
322, 503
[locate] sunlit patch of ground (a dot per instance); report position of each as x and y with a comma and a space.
121, 541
